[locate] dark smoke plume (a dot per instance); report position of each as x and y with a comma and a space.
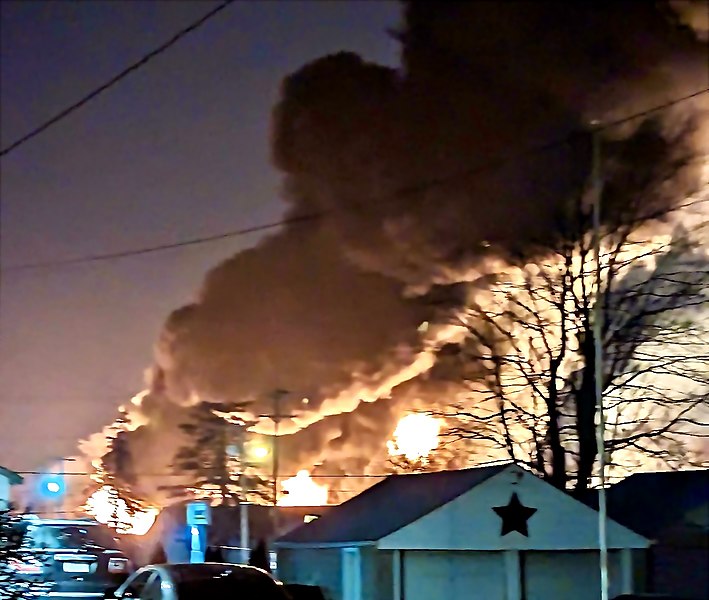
426, 188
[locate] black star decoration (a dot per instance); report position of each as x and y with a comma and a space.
514, 516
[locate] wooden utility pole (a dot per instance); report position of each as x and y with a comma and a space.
276, 416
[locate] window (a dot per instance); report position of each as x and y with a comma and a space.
58, 537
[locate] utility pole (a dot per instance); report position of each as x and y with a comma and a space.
276, 422
597, 189
276, 416
243, 504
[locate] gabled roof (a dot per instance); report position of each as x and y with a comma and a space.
388, 506
651, 503
11, 476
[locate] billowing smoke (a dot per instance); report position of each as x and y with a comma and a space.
425, 188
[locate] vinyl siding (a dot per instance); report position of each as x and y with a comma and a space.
313, 566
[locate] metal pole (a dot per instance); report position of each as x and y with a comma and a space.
243, 505
598, 370
244, 519
276, 421
62, 490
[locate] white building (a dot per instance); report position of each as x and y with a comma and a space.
7, 478
498, 533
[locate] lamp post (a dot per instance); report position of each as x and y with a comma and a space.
52, 488
258, 453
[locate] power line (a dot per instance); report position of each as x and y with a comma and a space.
168, 474
115, 79
161, 247
401, 192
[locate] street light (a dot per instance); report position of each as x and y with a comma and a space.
259, 452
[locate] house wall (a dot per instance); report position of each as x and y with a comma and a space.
313, 566
680, 571
377, 574
4, 491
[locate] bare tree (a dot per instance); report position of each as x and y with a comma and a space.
529, 349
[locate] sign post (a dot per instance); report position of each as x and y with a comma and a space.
199, 517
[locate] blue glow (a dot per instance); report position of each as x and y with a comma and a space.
52, 485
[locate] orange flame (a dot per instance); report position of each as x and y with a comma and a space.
415, 437
303, 491
108, 508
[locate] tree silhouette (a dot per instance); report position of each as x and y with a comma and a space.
116, 473
528, 358
212, 459
259, 557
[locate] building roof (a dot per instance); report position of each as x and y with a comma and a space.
388, 506
655, 502
11, 476
226, 525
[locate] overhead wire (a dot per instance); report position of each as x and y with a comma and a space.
418, 188
145, 59
169, 474
161, 247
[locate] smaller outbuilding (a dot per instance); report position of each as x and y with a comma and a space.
8, 478
671, 509
497, 532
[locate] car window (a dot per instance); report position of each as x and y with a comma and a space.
152, 590
137, 584
58, 537
41, 537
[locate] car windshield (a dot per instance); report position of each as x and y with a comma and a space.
217, 582
64, 536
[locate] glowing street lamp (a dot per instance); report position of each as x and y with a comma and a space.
259, 452
52, 485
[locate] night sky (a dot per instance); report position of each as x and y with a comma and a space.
178, 150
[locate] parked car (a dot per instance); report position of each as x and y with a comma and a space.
298, 591
215, 581
75, 558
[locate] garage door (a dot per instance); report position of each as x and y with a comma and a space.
453, 575
564, 575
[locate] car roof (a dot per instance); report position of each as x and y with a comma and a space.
75, 522
178, 571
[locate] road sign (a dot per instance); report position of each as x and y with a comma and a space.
198, 513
